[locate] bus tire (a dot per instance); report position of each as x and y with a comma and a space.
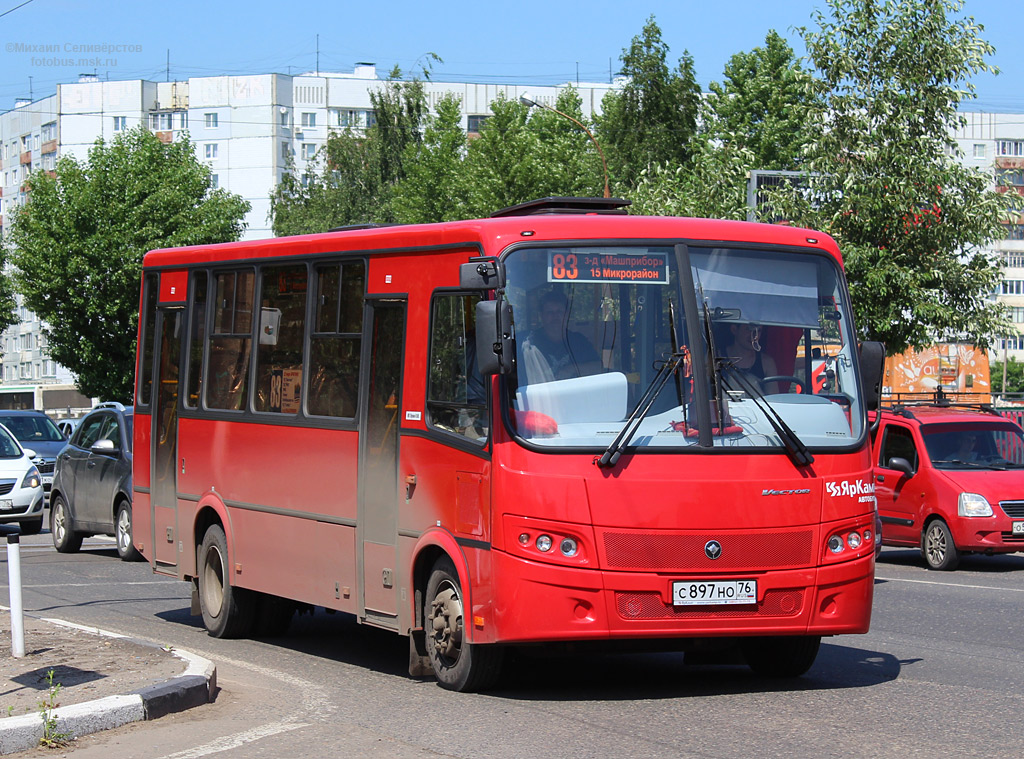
937, 547
782, 656
457, 664
228, 612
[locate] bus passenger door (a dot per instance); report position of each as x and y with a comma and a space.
163, 493
378, 463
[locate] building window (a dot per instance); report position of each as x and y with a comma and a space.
286, 150
308, 150
979, 150
210, 119
49, 131
214, 181
474, 123
309, 120
160, 122
1010, 177
1015, 232
211, 150
120, 123
284, 118
1010, 147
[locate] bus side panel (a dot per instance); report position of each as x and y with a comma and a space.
292, 509
451, 490
141, 526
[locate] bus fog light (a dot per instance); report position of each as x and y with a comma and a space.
835, 544
868, 537
544, 543
853, 540
524, 538
568, 547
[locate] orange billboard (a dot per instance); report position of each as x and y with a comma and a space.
957, 369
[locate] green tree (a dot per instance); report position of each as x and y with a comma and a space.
1014, 377
884, 176
355, 175
77, 246
653, 117
8, 317
712, 185
763, 104
434, 187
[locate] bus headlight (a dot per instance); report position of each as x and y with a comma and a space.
836, 544
568, 547
973, 505
544, 543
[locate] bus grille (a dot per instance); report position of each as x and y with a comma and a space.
685, 552
649, 605
1013, 509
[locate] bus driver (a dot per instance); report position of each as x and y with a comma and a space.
555, 352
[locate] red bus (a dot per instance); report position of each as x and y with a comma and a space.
559, 424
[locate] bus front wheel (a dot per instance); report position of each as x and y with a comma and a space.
781, 656
228, 612
458, 664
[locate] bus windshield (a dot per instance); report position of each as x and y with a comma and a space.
596, 325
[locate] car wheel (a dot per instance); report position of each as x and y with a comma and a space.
937, 547
228, 612
123, 533
32, 526
65, 539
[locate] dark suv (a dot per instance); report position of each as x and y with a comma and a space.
37, 432
92, 486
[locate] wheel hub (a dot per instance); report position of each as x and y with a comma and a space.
446, 622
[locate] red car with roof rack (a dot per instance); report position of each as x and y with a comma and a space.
949, 479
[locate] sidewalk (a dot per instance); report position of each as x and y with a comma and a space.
105, 680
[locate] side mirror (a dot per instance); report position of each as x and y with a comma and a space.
900, 464
480, 274
495, 345
872, 367
104, 447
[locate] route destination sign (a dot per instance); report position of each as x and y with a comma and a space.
583, 266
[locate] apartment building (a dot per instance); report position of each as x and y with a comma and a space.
245, 127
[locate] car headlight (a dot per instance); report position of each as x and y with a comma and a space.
32, 479
973, 505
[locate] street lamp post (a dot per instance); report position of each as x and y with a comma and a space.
604, 164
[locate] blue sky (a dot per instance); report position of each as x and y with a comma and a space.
523, 41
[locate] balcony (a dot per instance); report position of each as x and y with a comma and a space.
26, 158
50, 146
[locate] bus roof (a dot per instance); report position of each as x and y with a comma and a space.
494, 234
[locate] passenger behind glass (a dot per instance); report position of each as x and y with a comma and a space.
555, 352
745, 356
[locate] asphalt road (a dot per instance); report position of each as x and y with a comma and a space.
938, 675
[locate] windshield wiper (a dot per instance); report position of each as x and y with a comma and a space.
795, 448
643, 407
998, 465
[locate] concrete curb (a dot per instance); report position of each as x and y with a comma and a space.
195, 686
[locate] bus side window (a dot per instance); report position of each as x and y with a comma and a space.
457, 395
279, 351
231, 341
334, 346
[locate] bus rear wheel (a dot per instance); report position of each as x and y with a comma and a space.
228, 612
781, 656
458, 664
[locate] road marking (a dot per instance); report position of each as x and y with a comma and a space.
229, 742
949, 584
93, 585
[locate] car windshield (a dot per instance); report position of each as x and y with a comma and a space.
9, 448
32, 428
595, 324
967, 445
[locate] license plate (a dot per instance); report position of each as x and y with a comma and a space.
1018, 528
47, 479
6, 504
714, 592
